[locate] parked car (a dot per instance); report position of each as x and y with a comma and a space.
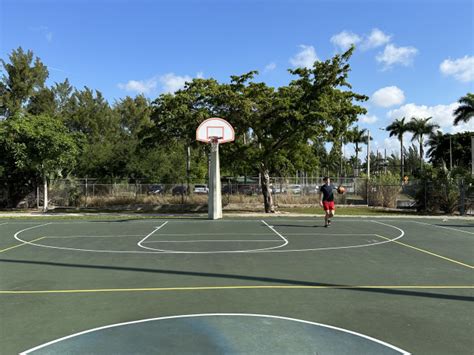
155, 189
295, 189
229, 189
179, 190
311, 189
278, 189
201, 189
247, 189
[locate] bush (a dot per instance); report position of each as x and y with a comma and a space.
438, 191
383, 190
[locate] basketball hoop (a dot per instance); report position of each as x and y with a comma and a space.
215, 131
214, 140
215, 127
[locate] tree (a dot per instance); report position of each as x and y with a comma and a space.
358, 136
37, 144
421, 127
24, 78
133, 120
438, 145
398, 128
313, 107
466, 109
444, 148
90, 118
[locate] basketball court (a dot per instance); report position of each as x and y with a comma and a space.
237, 285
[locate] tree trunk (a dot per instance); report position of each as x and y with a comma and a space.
267, 194
45, 194
401, 158
356, 168
421, 153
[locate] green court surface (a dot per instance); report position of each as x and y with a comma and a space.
276, 285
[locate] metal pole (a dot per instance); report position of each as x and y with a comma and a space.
472, 155
368, 165
450, 154
188, 167
368, 154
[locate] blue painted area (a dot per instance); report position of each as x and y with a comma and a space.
219, 334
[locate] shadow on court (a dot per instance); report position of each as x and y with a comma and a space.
249, 278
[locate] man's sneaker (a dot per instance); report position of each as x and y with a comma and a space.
329, 222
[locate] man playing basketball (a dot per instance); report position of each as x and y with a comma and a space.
327, 201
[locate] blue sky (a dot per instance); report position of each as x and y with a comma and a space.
413, 58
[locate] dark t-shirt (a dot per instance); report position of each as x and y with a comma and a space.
327, 192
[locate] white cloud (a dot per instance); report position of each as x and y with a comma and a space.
392, 145
388, 96
369, 119
376, 39
44, 30
441, 115
462, 69
304, 58
172, 82
269, 67
345, 39
139, 86
396, 55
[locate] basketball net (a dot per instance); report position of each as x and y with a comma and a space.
214, 143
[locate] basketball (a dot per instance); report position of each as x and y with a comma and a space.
341, 189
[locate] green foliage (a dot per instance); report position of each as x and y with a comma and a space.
34, 147
465, 111
441, 145
438, 190
39, 143
383, 190
22, 80
421, 127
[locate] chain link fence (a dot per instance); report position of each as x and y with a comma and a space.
424, 196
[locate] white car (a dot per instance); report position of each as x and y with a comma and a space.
201, 189
295, 189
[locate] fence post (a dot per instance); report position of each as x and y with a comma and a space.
462, 197
425, 207
86, 192
367, 187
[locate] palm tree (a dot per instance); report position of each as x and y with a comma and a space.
420, 127
437, 148
398, 128
357, 137
466, 111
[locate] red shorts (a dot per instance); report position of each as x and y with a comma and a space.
329, 205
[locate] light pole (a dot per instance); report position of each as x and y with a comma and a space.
450, 154
368, 154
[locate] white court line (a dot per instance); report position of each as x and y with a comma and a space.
335, 234
222, 251
149, 235
348, 246
435, 225
90, 236
213, 241
263, 250
24, 230
1, 224
401, 351
210, 234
